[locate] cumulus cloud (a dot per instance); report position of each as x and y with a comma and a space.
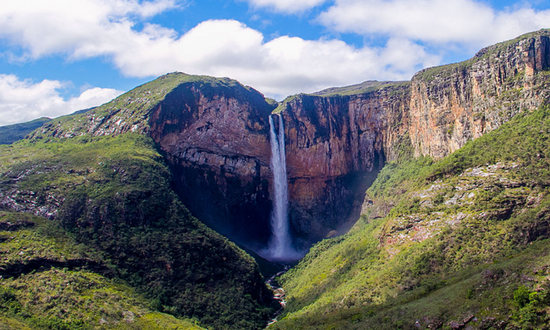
286, 6
67, 26
466, 22
279, 67
24, 100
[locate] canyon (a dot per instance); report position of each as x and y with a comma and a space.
433, 194
214, 135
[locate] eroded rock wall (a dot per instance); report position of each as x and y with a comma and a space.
216, 141
336, 143
453, 104
335, 147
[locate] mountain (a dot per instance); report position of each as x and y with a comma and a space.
213, 134
447, 174
462, 242
340, 138
11, 133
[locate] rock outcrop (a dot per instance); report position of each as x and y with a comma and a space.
216, 140
336, 146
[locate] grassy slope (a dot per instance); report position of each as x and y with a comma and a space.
114, 195
63, 296
465, 241
363, 88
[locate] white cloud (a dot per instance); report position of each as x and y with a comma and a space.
297, 65
286, 6
467, 22
67, 26
278, 68
23, 100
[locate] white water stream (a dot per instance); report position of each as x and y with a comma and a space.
280, 247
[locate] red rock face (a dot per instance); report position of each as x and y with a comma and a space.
335, 147
216, 142
462, 102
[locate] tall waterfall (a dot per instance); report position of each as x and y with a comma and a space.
280, 245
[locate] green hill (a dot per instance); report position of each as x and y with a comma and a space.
449, 244
11, 133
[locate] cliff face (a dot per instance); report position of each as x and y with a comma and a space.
335, 147
339, 138
216, 140
453, 104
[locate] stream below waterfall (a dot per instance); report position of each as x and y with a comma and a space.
278, 293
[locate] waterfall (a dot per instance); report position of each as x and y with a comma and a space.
280, 245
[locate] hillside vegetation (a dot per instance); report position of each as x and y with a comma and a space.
458, 242
113, 195
49, 281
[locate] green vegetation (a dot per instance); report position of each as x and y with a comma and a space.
363, 88
113, 195
285, 103
11, 133
391, 87
49, 281
461, 241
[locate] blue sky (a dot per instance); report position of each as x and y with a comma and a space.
59, 56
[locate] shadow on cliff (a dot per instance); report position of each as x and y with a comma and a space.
337, 212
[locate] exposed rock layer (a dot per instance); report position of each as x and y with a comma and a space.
453, 104
336, 145
216, 141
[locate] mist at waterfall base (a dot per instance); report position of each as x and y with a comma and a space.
280, 245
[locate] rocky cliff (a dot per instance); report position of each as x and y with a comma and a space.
216, 139
335, 148
339, 138
453, 104
214, 134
